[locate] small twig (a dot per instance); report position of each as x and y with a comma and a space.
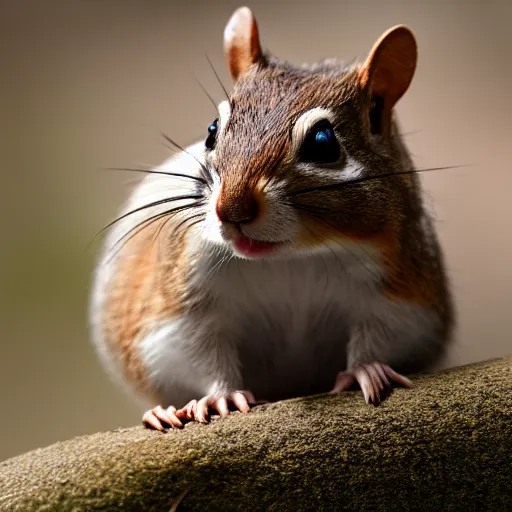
179, 499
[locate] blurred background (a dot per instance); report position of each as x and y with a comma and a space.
87, 85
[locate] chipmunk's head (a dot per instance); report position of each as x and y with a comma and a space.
289, 140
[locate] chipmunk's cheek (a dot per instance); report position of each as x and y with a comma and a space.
315, 236
309, 240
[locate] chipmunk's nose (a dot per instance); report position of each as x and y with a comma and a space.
238, 207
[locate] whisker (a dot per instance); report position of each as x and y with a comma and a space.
201, 216
163, 172
223, 259
206, 175
207, 94
218, 78
125, 239
194, 223
357, 181
184, 221
135, 230
308, 208
175, 210
149, 205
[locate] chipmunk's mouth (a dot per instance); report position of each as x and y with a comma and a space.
251, 248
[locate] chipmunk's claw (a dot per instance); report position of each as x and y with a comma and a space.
200, 410
375, 379
159, 418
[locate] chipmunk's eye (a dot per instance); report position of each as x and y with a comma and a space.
320, 145
212, 134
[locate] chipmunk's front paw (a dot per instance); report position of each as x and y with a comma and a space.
159, 418
200, 410
375, 379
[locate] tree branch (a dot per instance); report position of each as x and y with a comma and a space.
444, 445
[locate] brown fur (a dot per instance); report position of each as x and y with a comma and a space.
145, 288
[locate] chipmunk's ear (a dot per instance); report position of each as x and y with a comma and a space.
241, 42
387, 74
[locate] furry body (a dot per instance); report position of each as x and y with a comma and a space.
183, 305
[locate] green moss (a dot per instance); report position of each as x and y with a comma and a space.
444, 445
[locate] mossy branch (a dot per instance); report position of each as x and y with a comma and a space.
444, 445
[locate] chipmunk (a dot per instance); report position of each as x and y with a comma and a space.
286, 254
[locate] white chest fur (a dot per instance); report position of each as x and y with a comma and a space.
279, 328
